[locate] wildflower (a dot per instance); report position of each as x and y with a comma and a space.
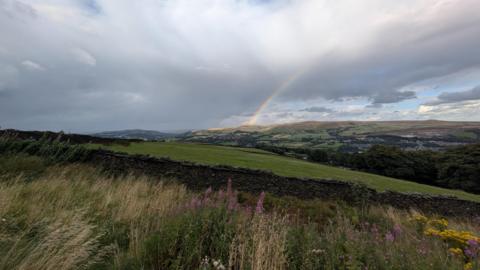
318, 251
259, 209
232, 201
221, 195
217, 264
229, 187
389, 237
473, 243
205, 262
231, 196
422, 250
472, 249
468, 266
439, 223
456, 251
397, 230
431, 232
208, 192
420, 218
470, 253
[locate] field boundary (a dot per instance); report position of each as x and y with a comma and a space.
199, 177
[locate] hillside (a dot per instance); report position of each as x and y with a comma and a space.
285, 166
348, 136
140, 134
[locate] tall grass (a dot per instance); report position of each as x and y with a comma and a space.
74, 217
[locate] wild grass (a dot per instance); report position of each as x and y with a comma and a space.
75, 217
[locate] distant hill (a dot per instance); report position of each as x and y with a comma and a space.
349, 136
141, 134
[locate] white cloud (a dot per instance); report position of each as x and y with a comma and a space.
84, 57
30, 65
466, 110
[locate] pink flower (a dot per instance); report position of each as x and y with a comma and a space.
229, 187
195, 203
221, 195
397, 230
259, 209
231, 196
208, 192
389, 237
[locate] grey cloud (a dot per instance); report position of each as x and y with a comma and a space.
472, 94
117, 65
393, 97
317, 109
404, 53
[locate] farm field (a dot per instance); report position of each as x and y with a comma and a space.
285, 166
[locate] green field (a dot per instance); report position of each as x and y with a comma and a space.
258, 159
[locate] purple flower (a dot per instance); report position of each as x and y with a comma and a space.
229, 187
221, 195
232, 201
397, 230
259, 209
389, 237
472, 249
473, 243
470, 253
208, 192
195, 203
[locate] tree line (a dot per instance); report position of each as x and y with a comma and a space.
456, 168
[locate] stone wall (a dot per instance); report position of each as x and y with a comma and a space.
200, 177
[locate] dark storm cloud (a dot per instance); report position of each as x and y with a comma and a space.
444, 98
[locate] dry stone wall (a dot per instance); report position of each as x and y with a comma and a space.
199, 177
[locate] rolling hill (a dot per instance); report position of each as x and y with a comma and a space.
141, 134
348, 136
285, 166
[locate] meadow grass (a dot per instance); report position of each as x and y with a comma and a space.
285, 166
75, 217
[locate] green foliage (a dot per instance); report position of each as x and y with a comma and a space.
286, 166
50, 150
460, 168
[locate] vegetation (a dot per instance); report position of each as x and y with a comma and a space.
457, 167
75, 217
344, 136
259, 159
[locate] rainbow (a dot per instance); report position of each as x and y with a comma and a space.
282, 87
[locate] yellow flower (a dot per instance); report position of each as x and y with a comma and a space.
420, 218
439, 223
458, 236
432, 232
468, 266
456, 251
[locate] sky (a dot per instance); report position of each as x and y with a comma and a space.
95, 65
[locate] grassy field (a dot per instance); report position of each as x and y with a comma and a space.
258, 159
75, 217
